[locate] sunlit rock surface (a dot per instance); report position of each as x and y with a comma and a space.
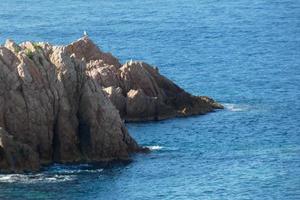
66, 104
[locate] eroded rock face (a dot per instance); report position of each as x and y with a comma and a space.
66, 104
156, 97
148, 94
139, 104
85, 48
52, 109
115, 95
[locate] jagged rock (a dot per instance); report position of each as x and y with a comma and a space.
85, 48
139, 104
11, 45
115, 95
106, 75
135, 76
50, 105
149, 95
61, 103
170, 100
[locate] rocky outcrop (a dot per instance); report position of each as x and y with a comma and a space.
66, 104
86, 49
51, 109
141, 93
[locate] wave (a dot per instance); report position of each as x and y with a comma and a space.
36, 178
155, 147
164, 148
236, 107
72, 169
77, 171
52, 174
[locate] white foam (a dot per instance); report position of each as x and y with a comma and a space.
5, 178
156, 147
37, 178
56, 173
236, 107
72, 169
76, 171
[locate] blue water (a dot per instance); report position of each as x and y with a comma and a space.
244, 53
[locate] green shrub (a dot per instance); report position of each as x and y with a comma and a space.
16, 49
36, 45
29, 53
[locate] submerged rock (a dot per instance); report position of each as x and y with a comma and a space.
66, 104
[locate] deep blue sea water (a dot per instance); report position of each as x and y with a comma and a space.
244, 53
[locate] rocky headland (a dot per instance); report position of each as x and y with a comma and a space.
68, 104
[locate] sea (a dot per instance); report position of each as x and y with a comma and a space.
243, 53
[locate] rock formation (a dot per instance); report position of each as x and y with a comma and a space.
66, 104
137, 89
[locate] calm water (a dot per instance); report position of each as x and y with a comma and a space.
245, 54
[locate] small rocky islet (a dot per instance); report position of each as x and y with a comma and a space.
68, 104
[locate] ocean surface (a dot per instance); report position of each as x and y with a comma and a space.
243, 53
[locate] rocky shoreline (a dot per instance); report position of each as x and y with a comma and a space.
68, 104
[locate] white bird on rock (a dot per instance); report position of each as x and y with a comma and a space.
84, 33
